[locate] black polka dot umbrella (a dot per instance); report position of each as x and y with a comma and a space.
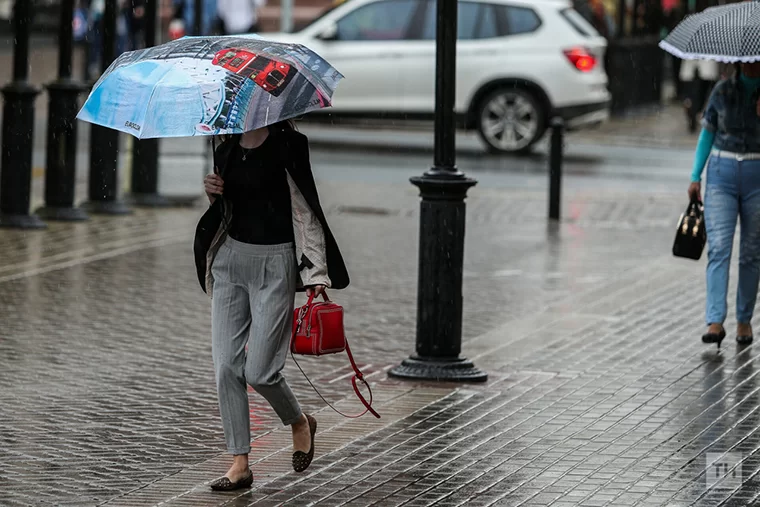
728, 33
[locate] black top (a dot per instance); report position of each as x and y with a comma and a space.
259, 192
295, 153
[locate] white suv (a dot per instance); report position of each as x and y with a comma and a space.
519, 63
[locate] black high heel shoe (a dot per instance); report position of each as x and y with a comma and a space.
714, 337
745, 339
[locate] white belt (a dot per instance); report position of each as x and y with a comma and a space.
736, 156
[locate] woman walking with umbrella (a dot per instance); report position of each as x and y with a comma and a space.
729, 148
254, 273
265, 234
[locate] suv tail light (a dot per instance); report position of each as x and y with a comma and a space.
581, 59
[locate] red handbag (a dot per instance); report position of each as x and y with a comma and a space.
318, 330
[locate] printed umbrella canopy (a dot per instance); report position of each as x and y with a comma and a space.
209, 86
728, 33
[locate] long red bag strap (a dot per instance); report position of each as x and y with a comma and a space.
358, 375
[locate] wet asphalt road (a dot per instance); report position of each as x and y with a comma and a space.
587, 166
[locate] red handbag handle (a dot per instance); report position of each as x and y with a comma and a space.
358, 375
311, 298
304, 310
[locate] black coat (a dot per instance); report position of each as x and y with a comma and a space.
295, 156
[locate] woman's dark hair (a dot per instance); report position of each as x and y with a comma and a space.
284, 125
280, 125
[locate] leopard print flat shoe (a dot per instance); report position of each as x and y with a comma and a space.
302, 460
225, 484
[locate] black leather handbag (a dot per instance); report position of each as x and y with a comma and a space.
691, 235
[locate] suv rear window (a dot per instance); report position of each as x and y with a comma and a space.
579, 23
483, 20
476, 21
521, 20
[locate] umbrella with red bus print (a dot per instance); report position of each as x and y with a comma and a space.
209, 86
272, 76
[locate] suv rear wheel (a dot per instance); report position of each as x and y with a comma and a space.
510, 120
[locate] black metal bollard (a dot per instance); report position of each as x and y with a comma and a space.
555, 169
18, 131
442, 223
60, 174
104, 142
145, 152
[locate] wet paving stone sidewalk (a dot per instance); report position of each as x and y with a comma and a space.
600, 393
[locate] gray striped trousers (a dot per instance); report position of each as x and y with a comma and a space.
252, 305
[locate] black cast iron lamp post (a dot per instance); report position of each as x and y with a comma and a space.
145, 152
18, 130
442, 222
104, 142
60, 174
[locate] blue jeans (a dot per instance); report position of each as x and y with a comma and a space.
733, 190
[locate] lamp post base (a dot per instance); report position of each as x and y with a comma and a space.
61, 153
438, 369
63, 214
16, 156
21, 222
441, 260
